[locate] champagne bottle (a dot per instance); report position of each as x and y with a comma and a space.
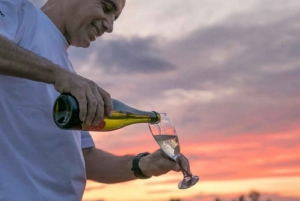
66, 115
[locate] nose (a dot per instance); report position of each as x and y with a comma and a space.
108, 23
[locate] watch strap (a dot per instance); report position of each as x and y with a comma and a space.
135, 166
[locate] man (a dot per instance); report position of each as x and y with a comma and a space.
39, 161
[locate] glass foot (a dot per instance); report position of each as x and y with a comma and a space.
188, 182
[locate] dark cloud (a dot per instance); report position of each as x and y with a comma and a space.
126, 56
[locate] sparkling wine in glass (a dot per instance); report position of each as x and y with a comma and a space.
165, 135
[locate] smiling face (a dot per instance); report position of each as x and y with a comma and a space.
85, 20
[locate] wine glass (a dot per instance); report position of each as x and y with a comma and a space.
165, 135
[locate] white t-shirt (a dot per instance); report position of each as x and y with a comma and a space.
38, 161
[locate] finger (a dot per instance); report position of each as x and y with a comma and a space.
108, 106
82, 104
92, 104
185, 165
169, 162
172, 165
189, 167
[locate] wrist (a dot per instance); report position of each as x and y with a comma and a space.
58, 73
139, 166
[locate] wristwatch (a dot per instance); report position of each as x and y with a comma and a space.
135, 166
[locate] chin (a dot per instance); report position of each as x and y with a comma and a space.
84, 45
81, 43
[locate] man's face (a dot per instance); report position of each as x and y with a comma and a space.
85, 20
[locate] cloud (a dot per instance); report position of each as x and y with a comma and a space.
126, 56
171, 19
133, 56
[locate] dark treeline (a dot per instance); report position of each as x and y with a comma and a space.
253, 196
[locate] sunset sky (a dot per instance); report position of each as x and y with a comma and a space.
227, 73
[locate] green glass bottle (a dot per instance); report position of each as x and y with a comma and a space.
66, 115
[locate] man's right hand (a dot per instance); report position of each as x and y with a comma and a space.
94, 102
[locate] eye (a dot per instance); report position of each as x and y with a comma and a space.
106, 8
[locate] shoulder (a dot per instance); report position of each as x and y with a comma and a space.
13, 3
12, 9
13, 13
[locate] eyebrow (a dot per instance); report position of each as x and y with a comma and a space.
114, 5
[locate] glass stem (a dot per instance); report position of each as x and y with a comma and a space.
184, 165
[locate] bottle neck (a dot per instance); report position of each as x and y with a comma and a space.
155, 119
121, 110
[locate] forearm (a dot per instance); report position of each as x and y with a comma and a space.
18, 62
104, 167
107, 168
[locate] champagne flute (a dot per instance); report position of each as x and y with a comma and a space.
165, 135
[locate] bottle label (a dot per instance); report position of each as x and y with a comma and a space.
99, 127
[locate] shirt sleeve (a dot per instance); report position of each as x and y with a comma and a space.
86, 140
9, 18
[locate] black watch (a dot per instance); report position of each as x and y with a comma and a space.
135, 166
